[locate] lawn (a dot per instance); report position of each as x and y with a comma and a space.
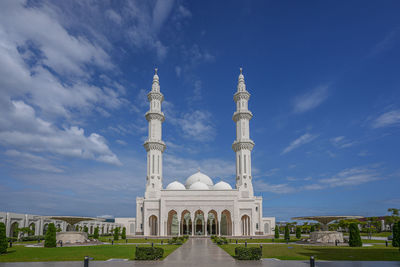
132, 240
101, 252
299, 252
263, 240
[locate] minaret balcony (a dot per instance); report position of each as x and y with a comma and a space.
243, 144
155, 115
241, 95
153, 95
151, 144
245, 114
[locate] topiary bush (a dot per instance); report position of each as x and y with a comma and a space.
249, 253
50, 240
96, 233
287, 233
116, 233
298, 232
354, 238
123, 234
149, 253
396, 235
3, 238
276, 232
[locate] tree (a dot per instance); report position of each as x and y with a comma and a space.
50, 240
312, 228
123, 235
298, 232
287, 233
395, 212
3, 238
276, 232
96, 233
85, 229
355, 238
116, 233
396, 235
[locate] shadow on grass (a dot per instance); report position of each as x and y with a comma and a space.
353, 254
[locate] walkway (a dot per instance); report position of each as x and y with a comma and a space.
202, 252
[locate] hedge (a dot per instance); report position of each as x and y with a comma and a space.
248, 253
3, 238
354, 238
148, 253
50, 237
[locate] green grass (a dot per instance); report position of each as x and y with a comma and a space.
299, 252
132, 240
263, 240
382, 234
101, 252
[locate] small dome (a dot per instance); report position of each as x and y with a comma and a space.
199, 177
222, 186
199, 186
175, 186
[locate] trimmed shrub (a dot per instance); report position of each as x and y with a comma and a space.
148, 253
123, 234
249, 253
298, 232
186, 236
50, 240
3, 238
85, 229
116, 233
96, 233
179, 242
32, 238
354, 238
312, 228
287, 233
276, 232
396, 235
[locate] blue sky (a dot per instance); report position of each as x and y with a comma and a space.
323, 75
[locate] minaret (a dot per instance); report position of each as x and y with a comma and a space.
243, 144
154, 144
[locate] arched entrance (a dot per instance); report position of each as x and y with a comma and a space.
91, 230
153, 225
266, 228
45, 228
226, 223
14, 229
186, 223
172, 223
70, 228
199, 223
32, 228
212, 222
245, 223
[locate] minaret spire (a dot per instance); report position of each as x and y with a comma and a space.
154, 144
243, 144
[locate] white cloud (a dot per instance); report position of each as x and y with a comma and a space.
351, 177
304, 139
390, 118
311, 99
22, 129
114, 16
184, 11
178, 71
274, 188
342, 142
25, 160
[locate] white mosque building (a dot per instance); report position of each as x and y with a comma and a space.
199, 207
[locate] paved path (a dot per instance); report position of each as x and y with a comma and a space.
202, 252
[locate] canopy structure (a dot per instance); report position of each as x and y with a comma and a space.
324, 220
73, 219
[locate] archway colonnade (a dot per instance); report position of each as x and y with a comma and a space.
198, 223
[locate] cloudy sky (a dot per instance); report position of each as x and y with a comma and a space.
324, 79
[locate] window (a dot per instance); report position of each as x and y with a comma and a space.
153, 164
141, 226
256, 208
244, 161
257, 226
141, 209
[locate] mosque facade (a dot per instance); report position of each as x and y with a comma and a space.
199, 207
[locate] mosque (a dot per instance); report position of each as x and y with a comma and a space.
199, 207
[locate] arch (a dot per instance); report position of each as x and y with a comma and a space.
186, 223
70, 228
14, 229
266, 228
245, 225
226, 223
172, 224
91, 230
212, 222
153, 225
45, 226
58, 228
199, 223
107, 229
32, 227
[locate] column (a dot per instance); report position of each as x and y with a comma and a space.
219, 228
193, 222
211, 226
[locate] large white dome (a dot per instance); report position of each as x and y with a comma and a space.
199, 177
175, 186
199, 186
222, 186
